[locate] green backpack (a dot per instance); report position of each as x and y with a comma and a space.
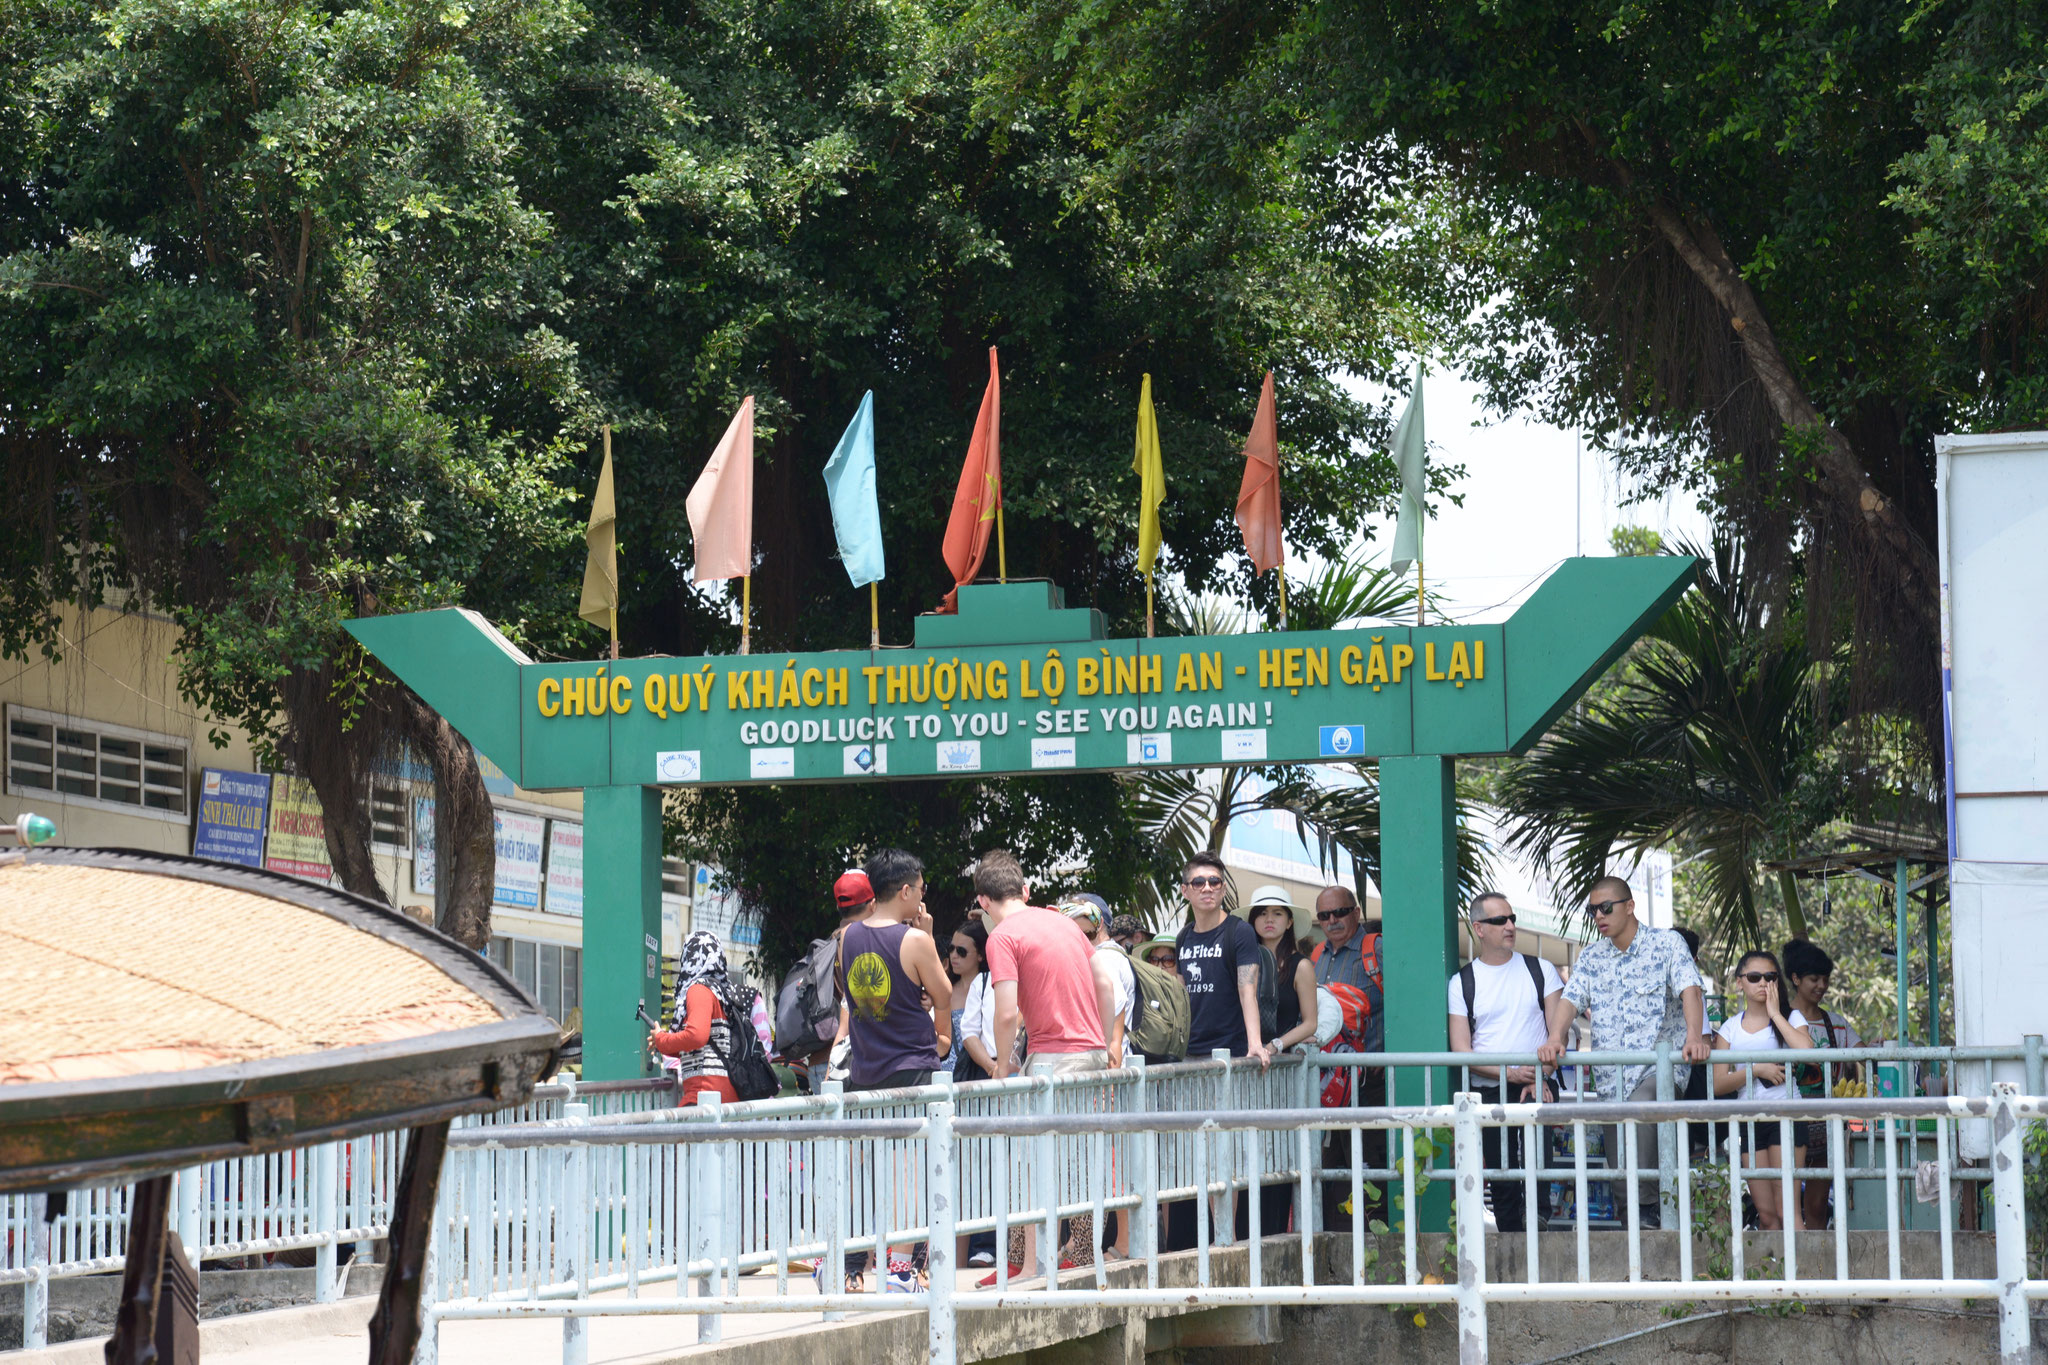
1159, 1026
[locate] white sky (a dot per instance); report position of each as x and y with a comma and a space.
1518, 519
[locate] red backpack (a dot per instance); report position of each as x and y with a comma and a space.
1364, 1023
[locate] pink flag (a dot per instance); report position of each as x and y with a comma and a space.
1258, 497
721, 504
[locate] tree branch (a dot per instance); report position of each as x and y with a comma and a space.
1842, 472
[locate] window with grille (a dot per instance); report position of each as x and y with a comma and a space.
82, 760
552, 973
390, 819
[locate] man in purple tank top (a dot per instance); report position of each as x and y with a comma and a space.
892, 989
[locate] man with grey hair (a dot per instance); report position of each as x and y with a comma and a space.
1498, 1002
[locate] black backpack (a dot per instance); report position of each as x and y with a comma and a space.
1468, 981
746, 1062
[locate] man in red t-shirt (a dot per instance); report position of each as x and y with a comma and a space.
1039, 971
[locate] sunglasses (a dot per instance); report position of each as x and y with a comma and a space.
1325, 916
1496, 919
1203, 881
959, 950
1602, 909
1754, 978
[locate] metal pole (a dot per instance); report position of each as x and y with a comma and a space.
1933, 975
1667, 1136
1899, 931
707, 1235
326, 1180
191, 1189
1469, 1210
940, 1341
2008, 1187
35, 1294
576, 1213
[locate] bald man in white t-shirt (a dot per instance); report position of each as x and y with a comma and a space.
1498, 1003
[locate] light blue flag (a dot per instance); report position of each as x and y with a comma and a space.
850, 483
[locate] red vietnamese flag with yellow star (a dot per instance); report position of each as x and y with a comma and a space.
980, 491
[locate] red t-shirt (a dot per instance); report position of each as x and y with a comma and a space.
1047, 955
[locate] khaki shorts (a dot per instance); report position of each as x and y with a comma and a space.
1066, 1063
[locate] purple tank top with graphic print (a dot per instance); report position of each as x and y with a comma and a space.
891, 1031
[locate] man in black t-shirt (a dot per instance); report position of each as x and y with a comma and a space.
1219, 962
1218, 957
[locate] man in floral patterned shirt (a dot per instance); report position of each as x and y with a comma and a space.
1641, 988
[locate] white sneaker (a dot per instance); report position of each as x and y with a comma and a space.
982, 1258
901, 1279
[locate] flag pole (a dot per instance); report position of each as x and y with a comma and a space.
1418, 585
1281, 569
746, 609
1002, 554
1148, 606
874, 616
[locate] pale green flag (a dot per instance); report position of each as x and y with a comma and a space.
1408, 458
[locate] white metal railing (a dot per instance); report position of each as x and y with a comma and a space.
322, 1197
542, 1219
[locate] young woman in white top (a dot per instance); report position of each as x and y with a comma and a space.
978, 1016
1763, 1025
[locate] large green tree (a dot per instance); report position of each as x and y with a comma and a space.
274, 351
1764, 250
800, 202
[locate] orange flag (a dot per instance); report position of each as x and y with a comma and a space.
980, 494
721, 504
1258, 497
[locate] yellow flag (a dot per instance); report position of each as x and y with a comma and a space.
1151, 481
600, 602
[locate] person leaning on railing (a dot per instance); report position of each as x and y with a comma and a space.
1498, 1003
1642, 989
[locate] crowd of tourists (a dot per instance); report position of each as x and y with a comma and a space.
1022, 988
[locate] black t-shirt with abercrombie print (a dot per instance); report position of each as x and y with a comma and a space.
1208, 965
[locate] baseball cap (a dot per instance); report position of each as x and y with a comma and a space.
852, 889
1269, 895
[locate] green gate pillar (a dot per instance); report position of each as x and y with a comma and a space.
1418, 913
621, 927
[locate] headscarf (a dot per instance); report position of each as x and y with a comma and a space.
700, 963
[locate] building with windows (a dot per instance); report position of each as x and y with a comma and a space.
100, 739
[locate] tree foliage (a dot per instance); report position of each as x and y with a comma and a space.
273, 325
1765, 251
1713, 742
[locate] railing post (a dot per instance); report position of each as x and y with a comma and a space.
1311, 1099
1667, 1137
939, 1250
1045, 1176
834, 1179
35, 1293
1144, 1218
1469, 1209
2008, 1199
577, 1216
186, 1198
2032, 1048
326, 1177
707, 1231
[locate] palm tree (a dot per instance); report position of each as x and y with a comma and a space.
1191, 810
1187, 811
1712, 741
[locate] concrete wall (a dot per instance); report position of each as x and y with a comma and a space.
84, 1306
